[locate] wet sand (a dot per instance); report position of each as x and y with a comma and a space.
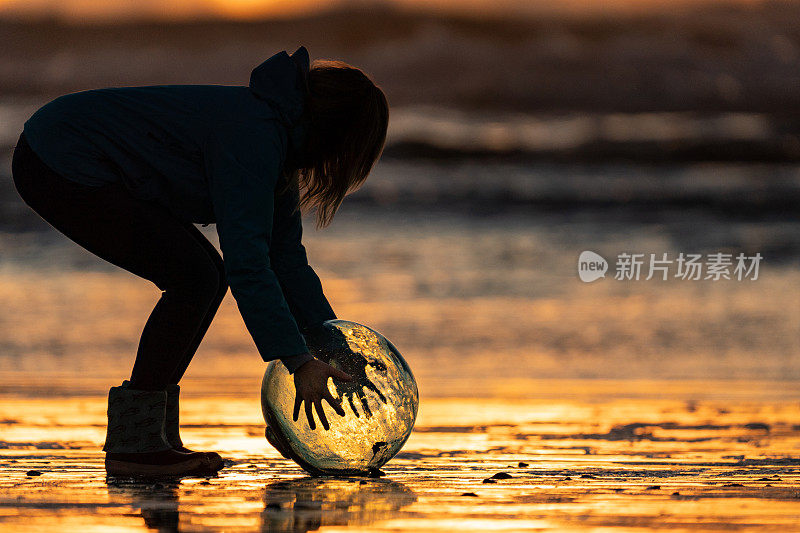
579, 455
612, 406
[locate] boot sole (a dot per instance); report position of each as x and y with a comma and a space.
190, 467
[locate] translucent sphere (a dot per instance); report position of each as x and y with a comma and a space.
380, 405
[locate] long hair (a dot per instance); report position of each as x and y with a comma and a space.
348, 116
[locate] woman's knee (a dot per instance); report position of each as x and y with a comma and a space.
203, 285
197, 285
222, 288
219, 266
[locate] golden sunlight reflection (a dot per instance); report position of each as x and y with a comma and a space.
598, 462
306, 504
551, 337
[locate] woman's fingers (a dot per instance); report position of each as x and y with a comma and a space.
312, 388
338, 374
310, 416
371, 386
297, 402
336, 404
322, 418
353, 405
367, 410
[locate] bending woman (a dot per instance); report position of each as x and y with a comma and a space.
126, 172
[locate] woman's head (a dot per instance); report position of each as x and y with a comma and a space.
348, 120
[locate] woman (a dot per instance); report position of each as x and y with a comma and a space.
125, 172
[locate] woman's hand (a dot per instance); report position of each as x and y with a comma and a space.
311, 384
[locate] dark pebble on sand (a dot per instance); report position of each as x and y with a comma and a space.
522, 465
654, 487
768, 485
33, 473
489, 480
733, 485
567, 479
676, 493
775, 478
588, 476
501, 475
472, 494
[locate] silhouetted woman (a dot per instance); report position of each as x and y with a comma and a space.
125, 172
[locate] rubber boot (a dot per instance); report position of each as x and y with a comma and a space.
136, 442
172, 427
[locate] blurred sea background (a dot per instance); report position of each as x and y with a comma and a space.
521, 134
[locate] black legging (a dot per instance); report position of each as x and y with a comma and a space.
146, 240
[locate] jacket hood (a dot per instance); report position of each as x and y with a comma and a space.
282, 80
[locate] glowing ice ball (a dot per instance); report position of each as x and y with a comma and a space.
380, 405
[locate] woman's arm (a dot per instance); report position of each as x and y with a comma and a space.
242, 170
300, 284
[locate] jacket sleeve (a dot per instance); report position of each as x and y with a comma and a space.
301, 285
242, 175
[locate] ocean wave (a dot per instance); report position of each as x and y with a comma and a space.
439, 132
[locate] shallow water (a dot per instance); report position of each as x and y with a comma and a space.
478, 305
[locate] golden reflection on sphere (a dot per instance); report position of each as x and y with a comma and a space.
380, 405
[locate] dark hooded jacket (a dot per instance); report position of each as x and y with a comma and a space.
209, 154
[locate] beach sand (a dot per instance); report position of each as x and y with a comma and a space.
576, 455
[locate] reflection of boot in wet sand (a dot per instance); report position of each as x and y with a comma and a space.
136, 443
158, 503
